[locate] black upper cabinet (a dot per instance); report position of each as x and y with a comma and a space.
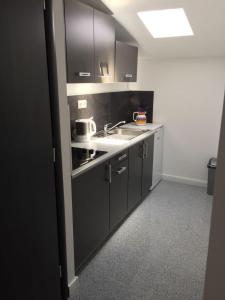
104, 45
126, 62
148, 148
90, 193
135, 175
93, 55
90, 44
79, 20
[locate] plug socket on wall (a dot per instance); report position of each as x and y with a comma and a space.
82, 104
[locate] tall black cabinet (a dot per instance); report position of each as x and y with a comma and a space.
28, 219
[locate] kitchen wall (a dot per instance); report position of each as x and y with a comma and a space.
188, 100
111, 107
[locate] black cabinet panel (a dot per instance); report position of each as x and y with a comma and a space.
104, 44
90, 211
135, 175
28, 220
118, 192
126, 62
147, 165
79, 20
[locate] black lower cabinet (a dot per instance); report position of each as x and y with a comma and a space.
148, 148
106, 194
91, 212
118, 192
135, 175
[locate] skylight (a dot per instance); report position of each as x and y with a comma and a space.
166, 23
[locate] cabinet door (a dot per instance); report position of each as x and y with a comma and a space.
118, 193
90, 193
79, 20
148, 148
135, 175
28, 219
126, 62
104, 41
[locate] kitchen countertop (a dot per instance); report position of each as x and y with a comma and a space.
112, 147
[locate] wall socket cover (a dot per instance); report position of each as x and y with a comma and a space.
82, 104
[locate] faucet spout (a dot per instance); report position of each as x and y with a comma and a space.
106, 129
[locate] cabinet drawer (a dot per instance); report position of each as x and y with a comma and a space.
119, 157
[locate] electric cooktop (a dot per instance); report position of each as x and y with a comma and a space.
81, 156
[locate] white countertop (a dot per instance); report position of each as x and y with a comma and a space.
112, 147
148, 126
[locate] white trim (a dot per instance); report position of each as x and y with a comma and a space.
186, 180
72, 285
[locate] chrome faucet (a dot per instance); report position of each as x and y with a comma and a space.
107, 129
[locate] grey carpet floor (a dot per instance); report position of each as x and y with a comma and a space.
159, 253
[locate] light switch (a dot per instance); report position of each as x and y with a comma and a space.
82, 104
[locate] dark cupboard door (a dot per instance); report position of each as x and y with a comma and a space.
135, 175
90, 193
104, 42
126, 62
118, 193
28, 219
148, 149
79, 20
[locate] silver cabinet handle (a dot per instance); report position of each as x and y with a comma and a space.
110, 173
84, 74
122, 157
128, 75
144, 150
140, 153
120, 171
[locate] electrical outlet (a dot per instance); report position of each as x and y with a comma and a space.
82, 104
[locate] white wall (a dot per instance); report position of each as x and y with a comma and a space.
94, 88
188, 100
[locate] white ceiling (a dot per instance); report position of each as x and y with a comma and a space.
207, 18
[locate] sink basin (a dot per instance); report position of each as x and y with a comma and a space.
126, 132
122, 134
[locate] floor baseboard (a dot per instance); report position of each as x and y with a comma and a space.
72, 286
185, 180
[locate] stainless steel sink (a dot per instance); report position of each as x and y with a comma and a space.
124, 134
129, 132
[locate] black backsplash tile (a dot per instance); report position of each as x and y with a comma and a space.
112, 107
